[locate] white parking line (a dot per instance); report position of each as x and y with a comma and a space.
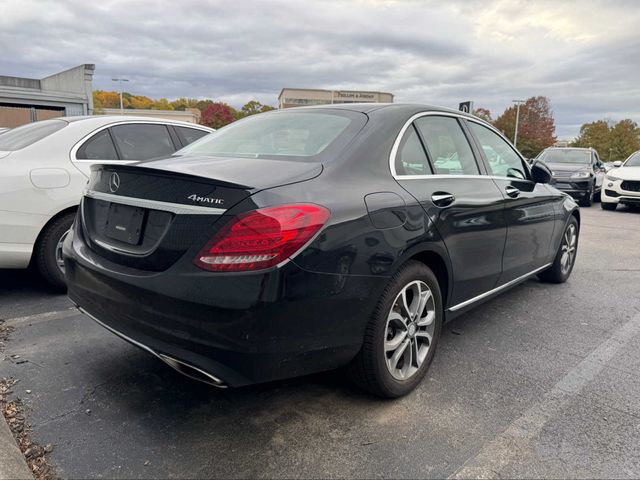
513, 446
43, 317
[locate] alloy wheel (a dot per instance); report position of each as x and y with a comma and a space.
568, 249
409, 330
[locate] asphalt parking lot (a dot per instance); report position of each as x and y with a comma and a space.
540, 382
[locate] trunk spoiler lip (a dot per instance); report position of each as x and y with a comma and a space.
136, 168
315, 169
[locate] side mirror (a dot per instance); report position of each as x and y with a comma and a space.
540, 172
617, 164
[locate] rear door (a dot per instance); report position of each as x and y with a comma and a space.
529, 206
436, 163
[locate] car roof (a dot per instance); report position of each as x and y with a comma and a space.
99, 120
589, 149
370, 107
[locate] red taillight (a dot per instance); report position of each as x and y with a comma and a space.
261, 238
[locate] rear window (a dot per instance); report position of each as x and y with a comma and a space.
290, 135
189, 135
29, 134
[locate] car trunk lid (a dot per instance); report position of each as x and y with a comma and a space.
147, 215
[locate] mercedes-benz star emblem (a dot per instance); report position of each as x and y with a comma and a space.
114, 182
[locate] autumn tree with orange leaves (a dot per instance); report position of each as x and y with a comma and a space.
536, 128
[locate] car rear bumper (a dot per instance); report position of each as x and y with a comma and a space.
233, 329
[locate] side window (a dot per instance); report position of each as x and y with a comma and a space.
189, 135
447, 146
598, 163
142, 141
502, 158
98, 147
411, 158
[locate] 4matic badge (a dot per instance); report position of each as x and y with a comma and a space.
198, 199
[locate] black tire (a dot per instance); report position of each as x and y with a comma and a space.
608, 206
45, 252
556, 273
587, 200
369, 369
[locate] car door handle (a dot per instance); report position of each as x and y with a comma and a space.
442, 199
512, 192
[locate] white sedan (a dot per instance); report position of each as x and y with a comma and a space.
622, 184
44, 167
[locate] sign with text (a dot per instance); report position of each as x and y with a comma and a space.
355, 96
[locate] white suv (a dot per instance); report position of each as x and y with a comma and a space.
622, 184
44, 167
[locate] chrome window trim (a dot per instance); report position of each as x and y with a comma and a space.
443, 175
176, 208
396, 146
79, 143
497, 289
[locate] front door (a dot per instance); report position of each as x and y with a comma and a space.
529, 206
436, 164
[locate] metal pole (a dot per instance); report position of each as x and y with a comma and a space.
515, 135
120, 80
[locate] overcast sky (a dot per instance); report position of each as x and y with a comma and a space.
583, 55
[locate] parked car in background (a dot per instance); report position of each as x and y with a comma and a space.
622, 184
576, 171
312, 238
45, 166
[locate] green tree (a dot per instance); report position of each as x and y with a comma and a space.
612, 141
624, 140
596, 135
184, 103
536, 127
251, 108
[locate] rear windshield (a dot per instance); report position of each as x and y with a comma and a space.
283, 134
566, 156
29, 134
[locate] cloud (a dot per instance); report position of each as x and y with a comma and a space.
582, 54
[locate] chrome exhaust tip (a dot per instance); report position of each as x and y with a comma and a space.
178, 365
191, 371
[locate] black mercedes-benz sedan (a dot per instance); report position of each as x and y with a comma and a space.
314, 238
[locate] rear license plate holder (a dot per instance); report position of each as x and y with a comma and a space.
124, 223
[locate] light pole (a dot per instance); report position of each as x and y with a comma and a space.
515, 135
120, 80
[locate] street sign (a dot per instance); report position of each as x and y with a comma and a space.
466, 107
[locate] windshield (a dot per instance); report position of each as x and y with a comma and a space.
280, 134
29, 134
633, 160
566, 156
